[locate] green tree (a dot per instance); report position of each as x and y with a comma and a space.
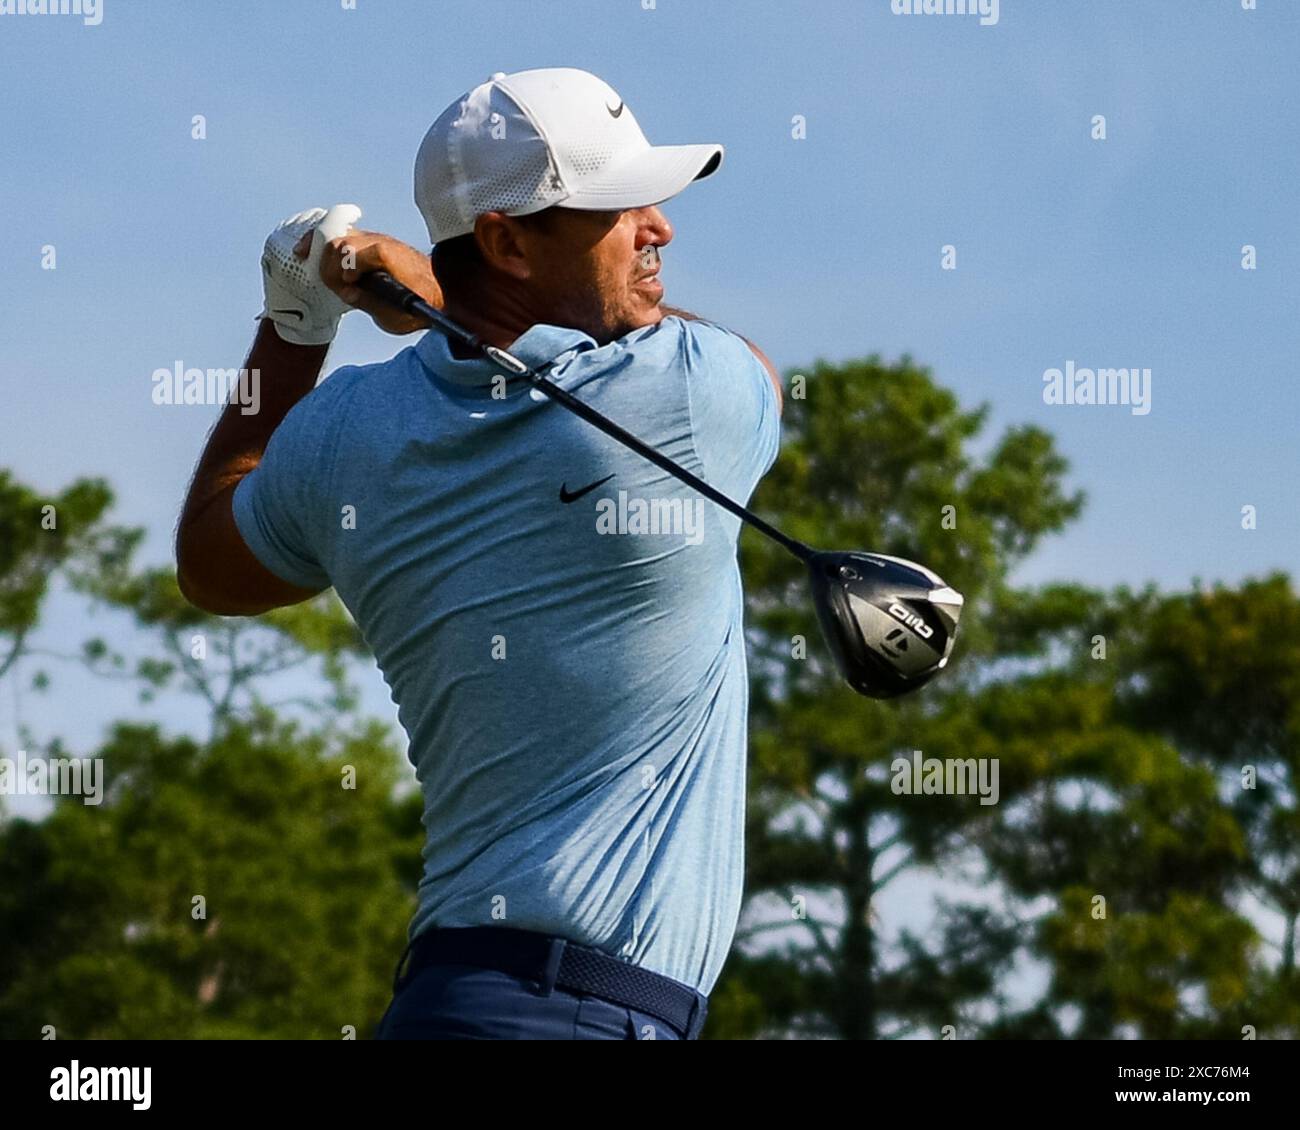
43, 536
1217, 672
296, 836
1092, 804
305, 887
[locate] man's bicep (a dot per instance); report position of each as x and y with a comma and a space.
771, 372
219, 573
267, 530
734, 406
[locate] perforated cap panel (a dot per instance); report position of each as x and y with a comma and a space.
481, 155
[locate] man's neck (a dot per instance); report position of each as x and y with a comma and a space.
500, 326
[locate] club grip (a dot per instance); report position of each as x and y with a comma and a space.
382, 285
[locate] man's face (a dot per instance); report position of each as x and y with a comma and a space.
595, 271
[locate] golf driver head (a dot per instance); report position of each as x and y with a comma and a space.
889, 623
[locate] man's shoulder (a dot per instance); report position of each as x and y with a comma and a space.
346, 394
701, 341
349, 382
676, 333
671, 338
653, 346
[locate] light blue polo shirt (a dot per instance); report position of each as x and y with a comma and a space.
568, 659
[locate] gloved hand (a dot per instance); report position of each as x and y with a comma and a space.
305, 311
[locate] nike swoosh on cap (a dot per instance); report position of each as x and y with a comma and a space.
612, 112
565, 496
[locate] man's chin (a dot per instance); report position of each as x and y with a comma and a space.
651, 315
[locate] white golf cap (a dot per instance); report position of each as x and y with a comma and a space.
523, 142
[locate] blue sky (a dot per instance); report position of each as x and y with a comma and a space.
921, 131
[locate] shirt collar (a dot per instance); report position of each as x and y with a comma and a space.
537, 346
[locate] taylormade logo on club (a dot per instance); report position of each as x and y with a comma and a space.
101, 1084
653, 516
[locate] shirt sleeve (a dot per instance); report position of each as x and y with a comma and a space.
735, 415
275, 506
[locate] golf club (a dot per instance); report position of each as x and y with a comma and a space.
889, 623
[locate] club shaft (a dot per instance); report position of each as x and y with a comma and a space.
384, 286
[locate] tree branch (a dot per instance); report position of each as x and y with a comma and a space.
901, 865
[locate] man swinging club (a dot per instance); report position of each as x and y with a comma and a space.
575, 697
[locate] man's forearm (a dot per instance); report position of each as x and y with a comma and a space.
215, 568
238, 442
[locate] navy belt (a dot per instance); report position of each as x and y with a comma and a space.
550, 960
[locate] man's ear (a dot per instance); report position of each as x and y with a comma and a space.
499, 242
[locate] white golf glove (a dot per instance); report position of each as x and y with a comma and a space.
305, 311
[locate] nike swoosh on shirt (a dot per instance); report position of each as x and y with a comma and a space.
565, 496
296, 313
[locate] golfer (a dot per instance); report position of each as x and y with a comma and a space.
559, 620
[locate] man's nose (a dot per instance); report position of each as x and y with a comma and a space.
654, 228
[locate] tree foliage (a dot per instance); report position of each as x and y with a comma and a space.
1116, 858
